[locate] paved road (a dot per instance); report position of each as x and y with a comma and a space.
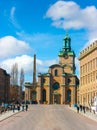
48, 117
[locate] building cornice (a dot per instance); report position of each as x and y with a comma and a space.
88, 50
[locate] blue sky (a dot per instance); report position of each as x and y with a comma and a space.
39, 26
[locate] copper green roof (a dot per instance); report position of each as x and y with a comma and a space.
28, 84
44, 74
67, 37
62, 53
66, 49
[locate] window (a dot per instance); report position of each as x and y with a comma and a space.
56, 72
56, 86
68, 81
43, 80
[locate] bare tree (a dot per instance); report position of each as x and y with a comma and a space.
21, 83
14, 74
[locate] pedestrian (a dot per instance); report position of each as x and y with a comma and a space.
84, 109
26, 107
13, 107
80, 107
22, 107
18, 107
77, 108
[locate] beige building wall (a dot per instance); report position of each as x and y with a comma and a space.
88, 74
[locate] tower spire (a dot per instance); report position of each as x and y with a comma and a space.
34, 71
67, 42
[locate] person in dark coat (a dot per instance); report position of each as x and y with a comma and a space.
26, 107
13, 107
84, 109
77, 108
80, 107
18, 107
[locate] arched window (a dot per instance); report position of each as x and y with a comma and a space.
56, 72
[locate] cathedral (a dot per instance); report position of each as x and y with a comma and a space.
59, 85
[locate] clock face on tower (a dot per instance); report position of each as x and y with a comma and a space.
65, 56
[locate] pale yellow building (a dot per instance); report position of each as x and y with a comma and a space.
59, 84
88, 74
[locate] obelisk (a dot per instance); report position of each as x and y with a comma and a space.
34, 71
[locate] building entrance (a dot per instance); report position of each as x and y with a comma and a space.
68, 97
57, 99
44, 95
33, 95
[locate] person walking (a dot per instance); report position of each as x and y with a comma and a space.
13, 107
18, 107
84, 109
26, 107
80, 107
22, 107
77, 108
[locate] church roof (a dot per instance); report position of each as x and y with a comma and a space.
68, 74
55, 65
28, 84
62, 53
44, 74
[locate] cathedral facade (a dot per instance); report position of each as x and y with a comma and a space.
59, 84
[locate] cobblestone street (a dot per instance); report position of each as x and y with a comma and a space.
48, 117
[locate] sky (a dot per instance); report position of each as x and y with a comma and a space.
29, 27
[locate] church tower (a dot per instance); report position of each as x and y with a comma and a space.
67, 56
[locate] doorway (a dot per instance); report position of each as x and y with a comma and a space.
57, 99
68, 98
44, 95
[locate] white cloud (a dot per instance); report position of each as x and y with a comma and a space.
69, 15
10, 46
26, 62
13, 19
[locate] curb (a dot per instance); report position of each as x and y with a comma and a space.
84, 114
10, 116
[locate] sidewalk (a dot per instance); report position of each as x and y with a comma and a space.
8, 114
88, 114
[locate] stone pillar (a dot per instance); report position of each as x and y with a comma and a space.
62, 90
73, 95
62, 95
38, 94
48, 95
29, 94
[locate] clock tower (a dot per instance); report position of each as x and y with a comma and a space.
67, 56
